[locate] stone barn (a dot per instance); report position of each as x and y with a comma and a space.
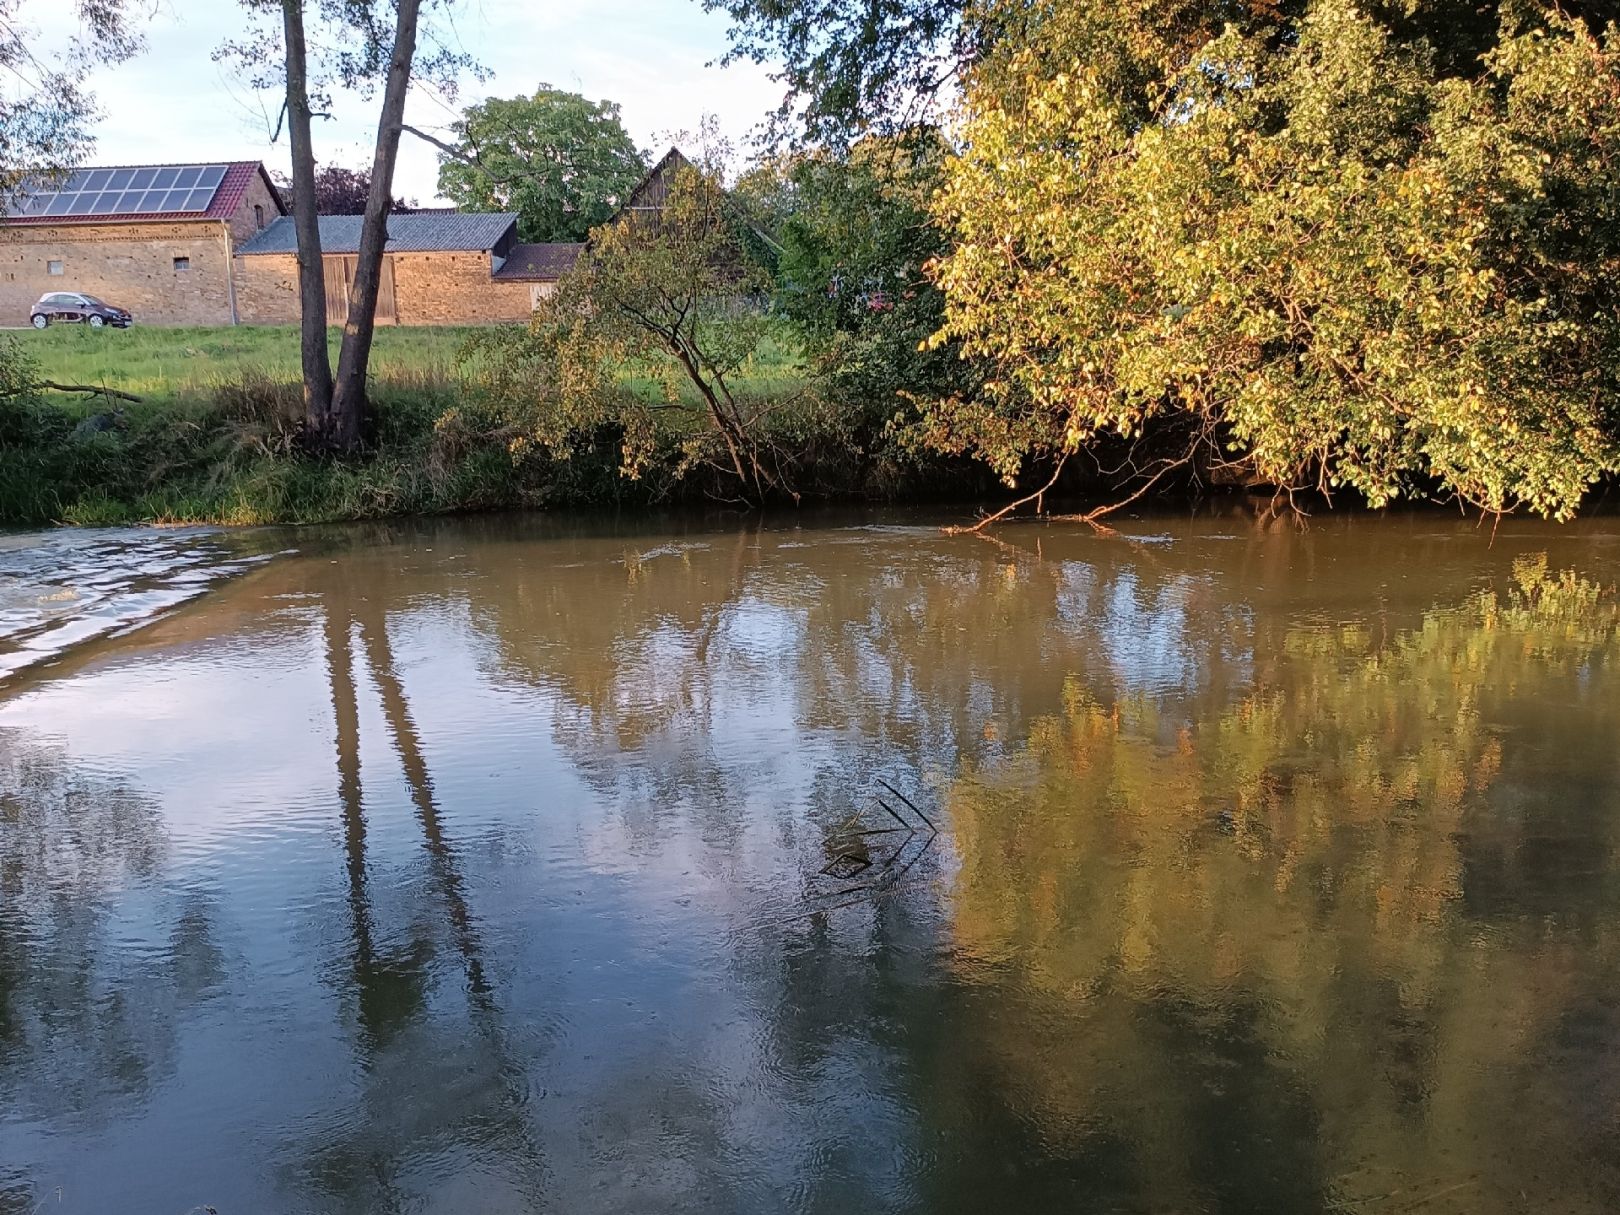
214, 244
160, 240
439, 268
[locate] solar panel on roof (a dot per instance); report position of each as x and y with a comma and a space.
148, 191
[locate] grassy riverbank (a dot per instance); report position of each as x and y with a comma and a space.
167, 365
212, 438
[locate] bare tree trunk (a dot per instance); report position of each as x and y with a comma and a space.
349, 402
317, 363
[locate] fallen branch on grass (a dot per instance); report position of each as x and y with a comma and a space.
91, 390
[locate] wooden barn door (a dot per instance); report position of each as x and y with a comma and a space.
387, 311
339, 282
337, 288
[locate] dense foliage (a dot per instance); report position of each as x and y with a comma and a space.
563, 163
853, 237
855, 67
340, 191
674, 295
46, 109
1311, 250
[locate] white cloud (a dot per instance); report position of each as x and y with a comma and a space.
652, 56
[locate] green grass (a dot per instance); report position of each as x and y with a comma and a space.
214, 436
166, 364
170, 364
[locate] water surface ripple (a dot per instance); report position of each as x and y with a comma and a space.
517, 865
60, 589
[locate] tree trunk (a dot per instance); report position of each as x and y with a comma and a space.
349, 401
317, 363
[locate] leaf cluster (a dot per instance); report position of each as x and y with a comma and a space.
1343, 265
563, 163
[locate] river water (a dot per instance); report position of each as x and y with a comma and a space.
510, 865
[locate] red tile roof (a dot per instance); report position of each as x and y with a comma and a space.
238, 176
227, 198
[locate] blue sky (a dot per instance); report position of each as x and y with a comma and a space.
651, 56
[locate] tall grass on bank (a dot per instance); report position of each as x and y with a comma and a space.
230, 455
214, 437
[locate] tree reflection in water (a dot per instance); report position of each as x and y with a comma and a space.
1251, 943
426, 1076
1278, 873
88, 1018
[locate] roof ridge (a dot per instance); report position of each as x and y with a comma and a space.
168, 164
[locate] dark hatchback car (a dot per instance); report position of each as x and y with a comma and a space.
75, 306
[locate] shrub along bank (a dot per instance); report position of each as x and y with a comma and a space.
214, 436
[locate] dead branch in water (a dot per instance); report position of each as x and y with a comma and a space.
1091, 517
1001, 514
1150, 476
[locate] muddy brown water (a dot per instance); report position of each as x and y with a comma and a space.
522, 865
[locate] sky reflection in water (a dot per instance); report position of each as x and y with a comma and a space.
478, 866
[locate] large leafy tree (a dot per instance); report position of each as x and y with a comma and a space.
1301, 246
857, 67
853, 237
46, 107
342, 191
853, 67
563, 163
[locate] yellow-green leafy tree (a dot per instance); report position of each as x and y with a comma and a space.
1306, 250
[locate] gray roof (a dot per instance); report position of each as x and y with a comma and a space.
430, 233
539, 263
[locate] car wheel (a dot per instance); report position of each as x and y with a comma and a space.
41, 320
97, 322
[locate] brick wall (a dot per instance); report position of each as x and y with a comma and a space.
130, 265
429, 289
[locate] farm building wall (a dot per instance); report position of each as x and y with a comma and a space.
257, 202
131, 265
429, 289
455, 289
267, 289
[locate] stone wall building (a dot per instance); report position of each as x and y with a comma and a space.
214, 245
160, 240
439, 268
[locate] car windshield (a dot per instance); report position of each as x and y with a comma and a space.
90, 299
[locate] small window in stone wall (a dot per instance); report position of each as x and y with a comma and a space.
258, 215
53, 268
182, 263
